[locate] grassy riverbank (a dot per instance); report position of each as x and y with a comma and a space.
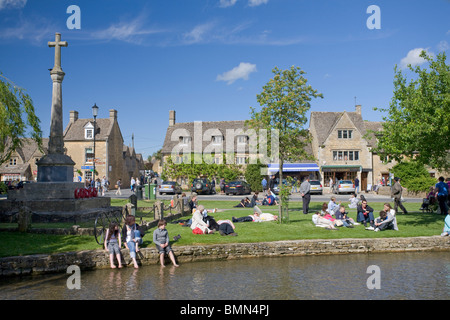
414, 224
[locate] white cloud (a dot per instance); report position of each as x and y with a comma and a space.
413, 58
37, 30
198, 33
12, 4
227, 3
255, 3
443, 45
128, 31
240, 72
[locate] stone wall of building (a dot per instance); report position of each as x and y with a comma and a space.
42, 263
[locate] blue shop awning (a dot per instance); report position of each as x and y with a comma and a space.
293, 167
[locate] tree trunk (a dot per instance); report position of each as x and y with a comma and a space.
283, 206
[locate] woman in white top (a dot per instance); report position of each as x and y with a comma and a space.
390, 218
197, 221
353, 202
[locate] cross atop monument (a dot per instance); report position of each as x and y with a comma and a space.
57, 44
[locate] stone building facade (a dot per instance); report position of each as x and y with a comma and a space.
22, 163
113, 159
342, 143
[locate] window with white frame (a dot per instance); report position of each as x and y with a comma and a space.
241, 160
13, 161
345, 134
217, 139
346, 155
89, 131
89, 155
242, 139
185, 140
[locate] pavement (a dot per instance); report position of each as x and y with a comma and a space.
371, 197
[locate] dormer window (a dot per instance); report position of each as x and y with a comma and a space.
185, 140
242, 139
89, 131
217, 139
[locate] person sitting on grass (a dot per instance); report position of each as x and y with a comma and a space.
269, 200
161, 240
198, 223
365, 214
343, 216
245, 202
193, 203
333, 207
255, 201
353, 202
391, 218
383, 222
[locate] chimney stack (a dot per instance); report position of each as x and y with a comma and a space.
113, 115
358, 109
171, 118
73, 116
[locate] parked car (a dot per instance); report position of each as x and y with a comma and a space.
237, 187
316, 187
276, 187
343, 186
202, 185
170, 187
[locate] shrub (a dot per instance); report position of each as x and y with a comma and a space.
414, 176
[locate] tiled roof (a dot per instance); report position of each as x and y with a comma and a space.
75, 130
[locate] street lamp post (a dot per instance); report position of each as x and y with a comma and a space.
94, 113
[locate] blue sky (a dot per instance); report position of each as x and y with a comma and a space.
208, 59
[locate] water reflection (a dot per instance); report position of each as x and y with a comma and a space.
403, 276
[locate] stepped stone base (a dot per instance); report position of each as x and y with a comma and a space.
45, 190
52, 202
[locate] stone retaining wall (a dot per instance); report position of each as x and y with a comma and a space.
42, 263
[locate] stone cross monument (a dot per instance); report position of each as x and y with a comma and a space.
56, 166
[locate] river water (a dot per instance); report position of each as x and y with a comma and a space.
414, 275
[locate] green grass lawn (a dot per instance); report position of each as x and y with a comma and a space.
414, 224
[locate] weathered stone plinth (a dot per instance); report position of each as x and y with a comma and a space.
52, 202
45, 191
55, 168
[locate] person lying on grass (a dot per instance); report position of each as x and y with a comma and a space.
226, 228
320, 221
257, 216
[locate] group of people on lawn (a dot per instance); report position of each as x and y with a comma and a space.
331, 216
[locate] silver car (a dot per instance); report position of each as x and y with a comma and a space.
316, 187
344, 186
169, 187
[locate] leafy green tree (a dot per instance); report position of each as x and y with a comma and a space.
418, 120
253, 176
414, 176
285, 100
192, 170
14, 102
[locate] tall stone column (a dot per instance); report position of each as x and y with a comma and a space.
56, 166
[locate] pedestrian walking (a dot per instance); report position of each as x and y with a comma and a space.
396, 193
118, 186
305, 189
